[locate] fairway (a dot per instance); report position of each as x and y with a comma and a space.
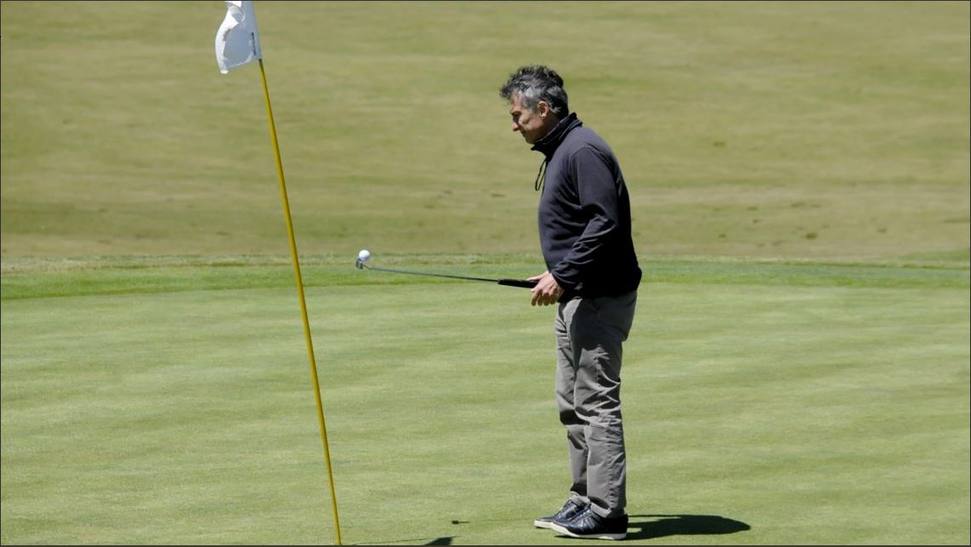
810, 130
797, 373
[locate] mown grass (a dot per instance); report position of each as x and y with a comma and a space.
809, 129
33, 278
812, 409
798, 371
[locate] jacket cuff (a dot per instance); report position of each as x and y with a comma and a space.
564, 281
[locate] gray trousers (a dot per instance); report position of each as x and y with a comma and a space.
589, 336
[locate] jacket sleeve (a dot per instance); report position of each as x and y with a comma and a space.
597, 189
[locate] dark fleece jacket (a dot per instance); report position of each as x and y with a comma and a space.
584, 214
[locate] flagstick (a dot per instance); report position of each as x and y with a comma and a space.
303, 305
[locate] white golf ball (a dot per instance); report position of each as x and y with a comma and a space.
364, 255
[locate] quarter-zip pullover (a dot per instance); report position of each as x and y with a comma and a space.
584, 214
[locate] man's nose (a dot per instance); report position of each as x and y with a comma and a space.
515, 127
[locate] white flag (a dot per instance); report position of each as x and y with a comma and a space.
237, 40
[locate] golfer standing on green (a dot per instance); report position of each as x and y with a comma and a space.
592, 276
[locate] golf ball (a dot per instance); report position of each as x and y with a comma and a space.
364, 255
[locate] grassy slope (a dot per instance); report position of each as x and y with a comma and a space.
812, 410
834, 130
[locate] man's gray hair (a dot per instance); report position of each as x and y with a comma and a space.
535, 83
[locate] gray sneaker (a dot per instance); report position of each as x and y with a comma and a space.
589, 525
569, 510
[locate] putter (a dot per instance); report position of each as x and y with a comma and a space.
364, 256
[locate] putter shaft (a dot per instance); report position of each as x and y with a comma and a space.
507, 282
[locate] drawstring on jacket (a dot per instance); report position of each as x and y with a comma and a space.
548, 145
541, 175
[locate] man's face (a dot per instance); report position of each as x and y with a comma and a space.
532, 124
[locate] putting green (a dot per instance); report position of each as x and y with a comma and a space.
808, 410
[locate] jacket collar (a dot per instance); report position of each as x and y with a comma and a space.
551, 141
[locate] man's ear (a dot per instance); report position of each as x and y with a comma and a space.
543, 109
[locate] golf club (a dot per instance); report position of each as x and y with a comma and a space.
364, 256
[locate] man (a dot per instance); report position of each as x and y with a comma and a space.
592, 275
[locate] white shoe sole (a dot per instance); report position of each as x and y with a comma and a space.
545, 524
563, 531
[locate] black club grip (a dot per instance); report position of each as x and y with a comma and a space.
517, 283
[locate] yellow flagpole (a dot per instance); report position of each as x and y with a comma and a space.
303, 305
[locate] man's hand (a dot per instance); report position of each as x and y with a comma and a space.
547, 291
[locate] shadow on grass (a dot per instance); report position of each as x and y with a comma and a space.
444, 540
681, 525
649, 527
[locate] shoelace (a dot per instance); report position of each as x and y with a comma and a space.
541, 175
